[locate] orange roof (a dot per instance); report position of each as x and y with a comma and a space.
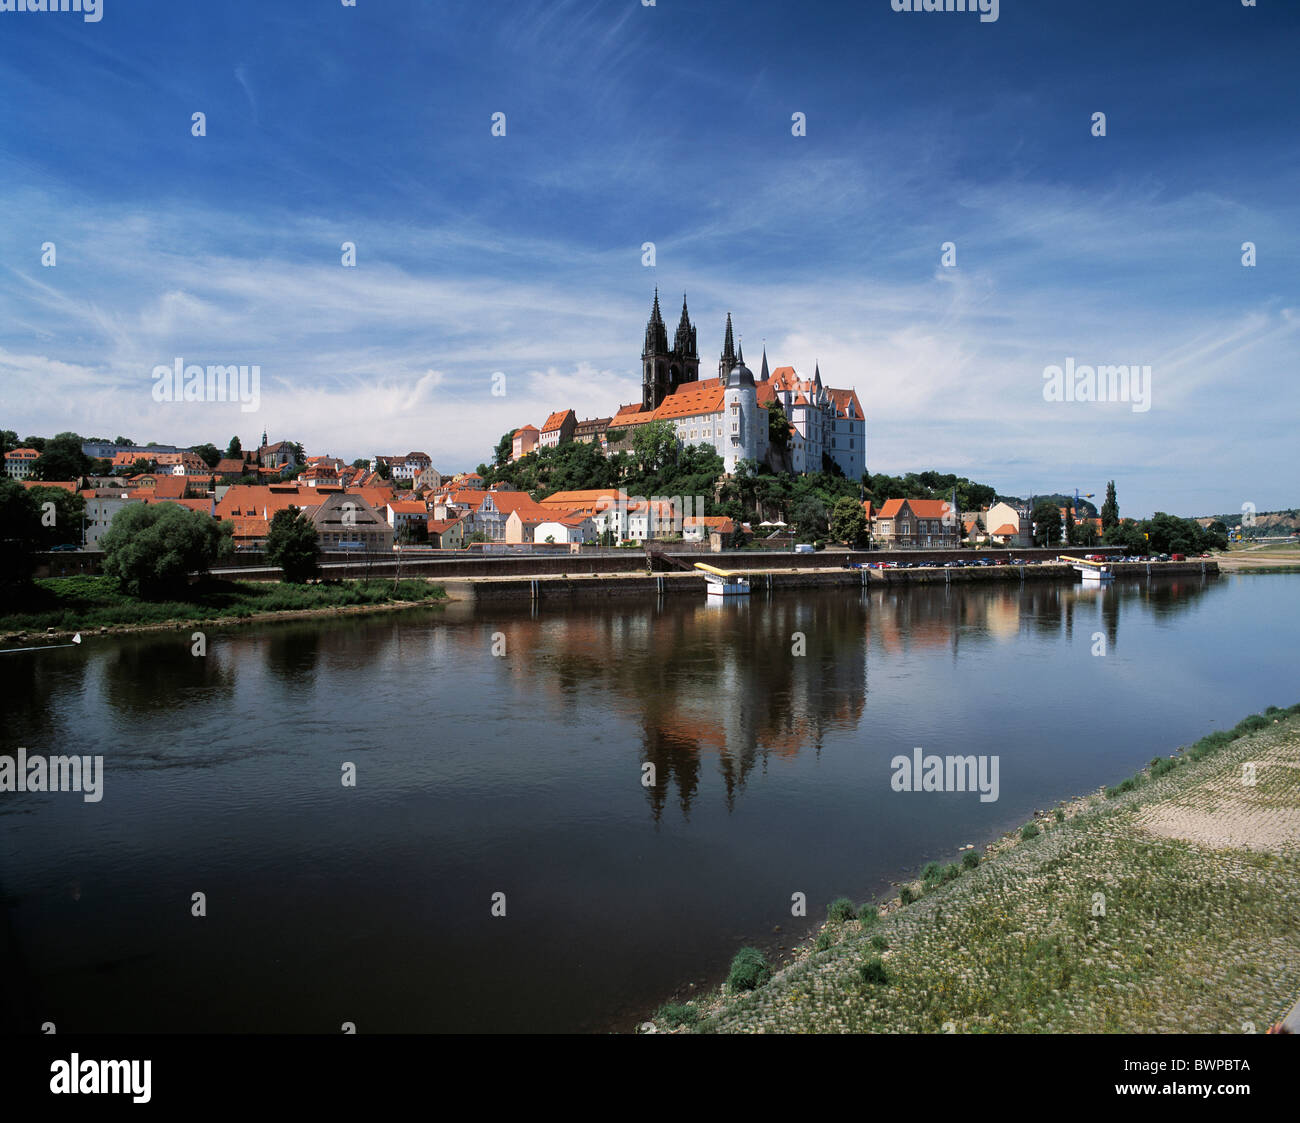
576, 499
866, 507
625, 412
438, 526
841, 400
556, 420
22, 453
921, 508
1006, 528
525, 429
692, 398
65, 485
407, 507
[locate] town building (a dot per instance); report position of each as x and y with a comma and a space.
917, 524
19, 462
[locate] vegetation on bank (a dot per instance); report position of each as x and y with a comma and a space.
1132, 910
84, 603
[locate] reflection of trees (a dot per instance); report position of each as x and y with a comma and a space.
146, 676
27, 688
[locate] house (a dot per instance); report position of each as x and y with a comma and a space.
559, 428
700, 527
524, 519
591, 430
917, 524
229, 468
569, 528
524, 441
319, 475
405, 514
102, 506
446, 534
429, 479
1008, 525
345, 521
18, 463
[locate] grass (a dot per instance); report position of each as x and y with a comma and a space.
1100, 924
83, 603
840, 910
749, 970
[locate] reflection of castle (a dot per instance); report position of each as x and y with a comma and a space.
703, 681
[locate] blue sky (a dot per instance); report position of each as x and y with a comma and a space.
669, 124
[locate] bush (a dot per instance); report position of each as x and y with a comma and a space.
931, 873
879, 943
951, 871
873, 971
1251, 724
1162, 765
824, 940
868, 916
906, 895
1028, 831
677, 1014
748, 970
970, 859
152, 548
1060, 815
841, 909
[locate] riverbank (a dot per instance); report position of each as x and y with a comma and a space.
1169, 903
61, 607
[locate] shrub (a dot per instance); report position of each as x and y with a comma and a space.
906, 895
970, 859
748, 970
824, 940
678, 1014
841, 909
1060, 815
873, 971
1162, 765
951, 871
1251, 724
879, 943
1028, 831
931, 873
867, 915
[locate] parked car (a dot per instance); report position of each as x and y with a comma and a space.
1177, 557
804, 548
64, 546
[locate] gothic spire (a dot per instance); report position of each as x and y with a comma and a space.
728, 360
684, 341
656, 334
763, 375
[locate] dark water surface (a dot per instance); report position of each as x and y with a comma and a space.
522, 774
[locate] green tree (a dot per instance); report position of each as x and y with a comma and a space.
504, 450
61, 514
1046, 518
292, 544
654, 446
151, 549
809, 518
124, 442
1109, 509
848, 522
62, 459
208, 453
778, 427
234, 450
8, 441
1071, 531
385, 472
20, 532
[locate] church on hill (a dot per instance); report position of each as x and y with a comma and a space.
730, 412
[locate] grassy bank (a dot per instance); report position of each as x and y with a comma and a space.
72, 604
1169, 902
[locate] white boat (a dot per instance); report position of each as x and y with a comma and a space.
1093, 573
722, 582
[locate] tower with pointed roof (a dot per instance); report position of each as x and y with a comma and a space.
662, 369
728, 360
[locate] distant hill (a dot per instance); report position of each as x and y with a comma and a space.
1266, 522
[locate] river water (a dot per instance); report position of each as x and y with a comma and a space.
505, 751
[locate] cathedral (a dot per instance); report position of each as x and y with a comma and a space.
730, 412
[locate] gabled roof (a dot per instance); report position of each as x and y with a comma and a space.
1005, 529
556, 420
691, 398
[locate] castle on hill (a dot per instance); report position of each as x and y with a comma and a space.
728, 413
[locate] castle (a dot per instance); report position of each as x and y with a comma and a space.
730, 412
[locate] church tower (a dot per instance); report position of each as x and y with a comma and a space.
727, 362
662, 370
656, 360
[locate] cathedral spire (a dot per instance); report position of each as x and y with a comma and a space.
763, 375
684, 341
656, 334
728, 360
